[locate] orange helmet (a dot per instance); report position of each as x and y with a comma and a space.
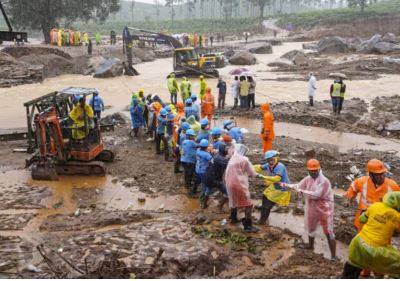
376, 166
313, 165
180, 106
265, 107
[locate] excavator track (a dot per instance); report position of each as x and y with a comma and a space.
94, 168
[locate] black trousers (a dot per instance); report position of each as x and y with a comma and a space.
159, 138
221, 100
311, 99
178, 160
189, 173
174, 98
252, 100
266, 208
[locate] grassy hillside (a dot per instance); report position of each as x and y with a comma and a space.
345, 15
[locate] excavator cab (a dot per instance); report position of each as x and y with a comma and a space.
65, 146
188, 62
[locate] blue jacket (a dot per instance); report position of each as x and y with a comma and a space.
236, 134
202, 160
278, 170
203, 134
190, 110
188, 151
170, 124
222, 87
96, 103
216, 144
136, 111
162, 124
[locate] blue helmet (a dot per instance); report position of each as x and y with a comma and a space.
163, 112
185, 126
216, 131
188, 101
271, 153
204, 122
193, 96
227, 123
168, 108
190, 133
203, 143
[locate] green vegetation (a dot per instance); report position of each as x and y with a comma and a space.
204, 26
335, 16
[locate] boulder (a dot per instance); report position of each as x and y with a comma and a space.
297, 57
143, 54
389, 37
260, 48
243, 58
310, 46
368, 46
281, 63
393, 126
109, 68
116, 118
332, 45
386, 47
229, 53
388, 60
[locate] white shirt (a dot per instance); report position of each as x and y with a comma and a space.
235, 87
312, 86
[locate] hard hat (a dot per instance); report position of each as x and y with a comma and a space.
227, 138
163, 112
141, 90
271, 153
193, 96
190, 133
180, 105
203, 143
216, 131
376, 166
185, 126
313, 165
201, 77
167, 108
204, 122
189, 101
227, 123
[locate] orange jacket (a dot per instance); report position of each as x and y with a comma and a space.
267, 131
368, 194
157, 108
207, 103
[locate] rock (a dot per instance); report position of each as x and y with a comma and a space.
275, 42
386, 47
260, 48
143, 54
116, 118
109, 68
310, 153
389, 37
368, 46
296, 57
229, 53
310, 46
243, 58
281, 63
333, 45
214, 255
389, 60
149, 260
393, 126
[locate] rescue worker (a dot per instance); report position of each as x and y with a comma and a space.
372, 248
188, 158
71, 37
181, 136
372, 188
235, 91
267, 130
77, 39
98, 38
214, 176
97, 104
170, 130
244, 93
59, 38
196, 103
237, 172
136, 111
312, 88
274, 193
86, 38
180, 112
203, 157
251, 98
230, 146
207, 105
337, 91
204, 133
203, 87
82, 115
173, 88
233, 131
160, 133
216, 138
190, 110
186, 89
221, 93
319, 205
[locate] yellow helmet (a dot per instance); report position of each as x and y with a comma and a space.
141, 90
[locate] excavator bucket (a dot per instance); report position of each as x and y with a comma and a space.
44, 171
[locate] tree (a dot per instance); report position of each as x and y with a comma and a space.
170, 3
261, 6
47, 14
361, 3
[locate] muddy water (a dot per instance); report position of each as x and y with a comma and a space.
116, 91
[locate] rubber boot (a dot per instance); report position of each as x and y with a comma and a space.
233, 219
350, 271
204, 201
248, 226
263, 217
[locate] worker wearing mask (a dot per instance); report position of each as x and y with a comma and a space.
318, 195
173, 88
267, 130
160, 133
82, 116
97, 104
204, 133
372, 248
186, 89
190, 110
188, 158
274, 193
237, 175
207, 105
203, 87
203, 157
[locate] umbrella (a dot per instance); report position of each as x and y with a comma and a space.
241, 71
338, 75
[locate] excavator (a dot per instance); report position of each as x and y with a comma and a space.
11, 35
58, 152
186, 60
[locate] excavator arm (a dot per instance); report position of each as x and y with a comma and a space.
11, 35
151, 36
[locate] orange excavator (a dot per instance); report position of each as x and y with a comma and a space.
57, 151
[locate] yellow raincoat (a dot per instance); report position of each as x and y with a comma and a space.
77, 115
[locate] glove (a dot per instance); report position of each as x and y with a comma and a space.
257, 168
260, 176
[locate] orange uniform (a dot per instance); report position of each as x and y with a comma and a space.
368, 194
267, 131
157, 107
207, 105
180, 108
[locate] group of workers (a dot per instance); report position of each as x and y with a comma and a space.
68, 37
